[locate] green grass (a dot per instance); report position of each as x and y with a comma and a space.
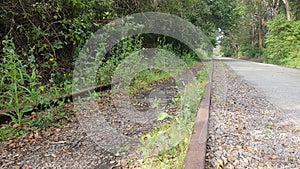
53, 117
146, 78
166, 146
150, 76
10, 132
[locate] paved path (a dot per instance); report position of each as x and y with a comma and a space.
280, 85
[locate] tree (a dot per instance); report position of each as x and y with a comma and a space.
288, 9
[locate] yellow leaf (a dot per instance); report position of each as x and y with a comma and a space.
144, 136
220, 162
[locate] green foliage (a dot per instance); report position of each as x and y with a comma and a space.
251, 52
114, 58
283, 42
225, 14
202, 75
11, 132
226, 47
242, 39
163, 116
146, 78
280, 37
296, 9
167, 145
54, 30
186, 54
14, 83
36, 67
206, 14
21, 91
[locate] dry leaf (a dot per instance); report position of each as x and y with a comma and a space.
16, 155
220, 162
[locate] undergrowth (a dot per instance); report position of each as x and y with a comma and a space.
21, 85
145, 78
166, 146
22, 93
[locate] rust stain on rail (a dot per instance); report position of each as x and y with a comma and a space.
195, 158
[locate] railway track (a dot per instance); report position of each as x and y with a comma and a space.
65, 99
194, 158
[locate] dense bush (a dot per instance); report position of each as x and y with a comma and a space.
226, 47
54, 30
42, 39
283, 42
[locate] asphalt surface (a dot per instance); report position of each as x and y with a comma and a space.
280, 85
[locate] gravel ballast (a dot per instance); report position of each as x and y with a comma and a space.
245, 130
72, 146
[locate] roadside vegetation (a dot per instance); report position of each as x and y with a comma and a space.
40, 40
22, 91
167, 145
265, 31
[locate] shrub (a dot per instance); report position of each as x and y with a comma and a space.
15, 83
283, 42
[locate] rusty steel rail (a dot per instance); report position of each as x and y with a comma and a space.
195, 158
66, 98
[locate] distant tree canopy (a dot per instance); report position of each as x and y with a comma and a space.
266, 29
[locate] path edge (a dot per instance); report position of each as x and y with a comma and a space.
195, 158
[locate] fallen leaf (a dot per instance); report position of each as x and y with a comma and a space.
16, 125
58, 142
52, 155
220, 162
31, 136
16, 155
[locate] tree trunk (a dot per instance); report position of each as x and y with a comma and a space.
253, 31
261, 33
234, 45
288, 9
275, 7
253, 35
154, 4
